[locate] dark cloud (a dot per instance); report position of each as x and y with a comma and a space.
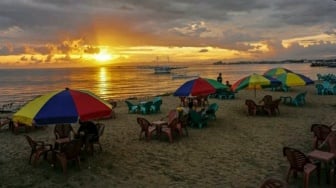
91, 50
65, 26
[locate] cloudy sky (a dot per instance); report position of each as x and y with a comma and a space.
76, 32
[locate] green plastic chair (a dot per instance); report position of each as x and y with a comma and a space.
132, 108
156, 106
320, 89
298, 100
225, 94
211, 111
197, 119
146, 108
334, 90
157, 99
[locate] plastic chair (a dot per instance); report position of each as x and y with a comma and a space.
155, 107
68, 152
95, 139
38, 148
298, 100
184, 121
211, 111
146, 128
63, 131
321, 131
169, 129
320, 89
171, 116
272, 107
224, 94
131, 107
331, 141
273, 183
197, 119
252, 108
146, 108
300, 163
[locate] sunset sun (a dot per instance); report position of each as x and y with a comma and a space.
103, 56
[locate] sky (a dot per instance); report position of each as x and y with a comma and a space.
58, 33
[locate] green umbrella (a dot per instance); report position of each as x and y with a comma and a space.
216, 85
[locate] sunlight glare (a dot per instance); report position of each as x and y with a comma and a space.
103, 56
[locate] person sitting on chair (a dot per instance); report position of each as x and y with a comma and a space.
87, 132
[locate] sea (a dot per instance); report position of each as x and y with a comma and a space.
121, 82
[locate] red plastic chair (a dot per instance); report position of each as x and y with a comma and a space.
300, 163
146, 128
273, 183
321, 132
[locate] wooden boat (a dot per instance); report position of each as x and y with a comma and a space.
162, 69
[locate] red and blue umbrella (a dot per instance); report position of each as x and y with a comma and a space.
195, 87
65, 106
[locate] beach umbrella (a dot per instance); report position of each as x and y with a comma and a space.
195, 87
65, 106
294, 79
217, 85
254, 81
276, 71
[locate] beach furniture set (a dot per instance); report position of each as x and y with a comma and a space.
161, 127
67, 146
268, 107
145, 107
195, 101
176, 122
326, 88
323, 156
298, 100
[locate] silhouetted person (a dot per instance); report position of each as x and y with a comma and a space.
228, 84
87, 131
219, 78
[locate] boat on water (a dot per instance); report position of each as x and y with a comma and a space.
184, 76
162, 69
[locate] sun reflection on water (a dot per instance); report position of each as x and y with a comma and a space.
103, 83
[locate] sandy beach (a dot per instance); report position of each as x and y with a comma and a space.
235, 150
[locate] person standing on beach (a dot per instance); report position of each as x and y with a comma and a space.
219, 78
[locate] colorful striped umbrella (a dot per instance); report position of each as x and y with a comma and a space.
276, 71
65, 106
195, 87
254, 81
294, 79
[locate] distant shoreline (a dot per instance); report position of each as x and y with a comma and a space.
312, 63
259, 62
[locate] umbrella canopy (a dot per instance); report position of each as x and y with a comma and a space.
195, 87
276, 71
217, 85
294, 79
254, 81
65, 106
